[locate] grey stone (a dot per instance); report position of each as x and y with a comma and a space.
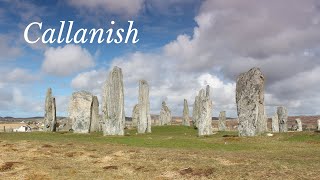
165, 115
204, 121
80, 111
185, 118
144, 118
50, 112
195, 112
318, 124
135, 115
54, 115
250, 103
299, 124
95, 117
113, 104
283, 118
275, 123
222, 121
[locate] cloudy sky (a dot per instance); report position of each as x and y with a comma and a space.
184, 45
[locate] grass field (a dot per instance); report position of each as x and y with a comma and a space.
172, 152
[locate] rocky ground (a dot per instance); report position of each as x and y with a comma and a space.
172, 152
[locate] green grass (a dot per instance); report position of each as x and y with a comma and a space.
173, 137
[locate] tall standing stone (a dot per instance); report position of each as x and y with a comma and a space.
204, 121
113, 104
318, 124
54, 115
299, 124
222, 121
135, 115
250, 103
95, 118
195, 112
80, 111
144, 118
50, 112
165, 115
283, 118
275, 123
185, 118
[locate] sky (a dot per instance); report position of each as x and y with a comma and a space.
183, 46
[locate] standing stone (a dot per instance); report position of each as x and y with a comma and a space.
113, 104
222, 121
50, 112
283, 118
54, 115
95, 118
165, 115
275, 123
135, 115
318, 124
195, 112
80, 111
250, 103
144, 118
299, 124
185, 118
204, 121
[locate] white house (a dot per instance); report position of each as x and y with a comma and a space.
22, 129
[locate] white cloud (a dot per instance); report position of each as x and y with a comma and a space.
17, 76
8, 50
90, 81
230, 38
62, 103
63, 61
248, 33
119, 7
13, 100
234, 36
21, 75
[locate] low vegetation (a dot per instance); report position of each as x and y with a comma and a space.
172, 152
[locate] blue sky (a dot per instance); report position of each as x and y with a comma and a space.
155, 30
184, 45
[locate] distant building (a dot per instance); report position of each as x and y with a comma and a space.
22, 129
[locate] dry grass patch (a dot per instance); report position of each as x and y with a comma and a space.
72, 156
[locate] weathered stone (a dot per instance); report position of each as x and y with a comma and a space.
135, 115
95, 117
204, 121
80, 111
250, 103
144, 118
195, 112
113, 104
185, 118
50, 112
283, 118
165, 115
299, 124
54, 115
222, 121
275, 123
318, 124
